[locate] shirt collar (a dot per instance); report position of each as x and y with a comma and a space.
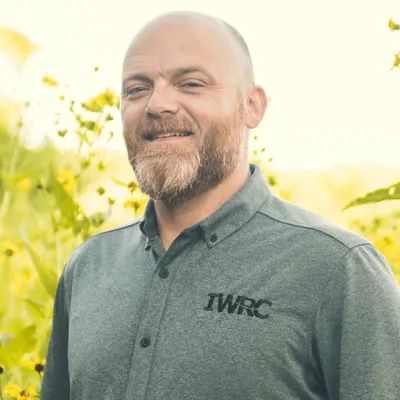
231, 216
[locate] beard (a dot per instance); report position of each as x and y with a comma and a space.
175, 173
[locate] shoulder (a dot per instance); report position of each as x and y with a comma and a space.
297, 221
109, 238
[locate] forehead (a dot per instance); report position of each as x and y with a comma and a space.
177, 44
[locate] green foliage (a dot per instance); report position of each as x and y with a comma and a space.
384, 233
390, 193
43, 215
393, 26
393, 191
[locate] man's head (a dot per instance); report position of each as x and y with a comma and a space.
188, 74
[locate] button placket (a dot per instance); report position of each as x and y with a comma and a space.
157, 293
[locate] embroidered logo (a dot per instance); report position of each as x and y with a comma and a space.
253, 308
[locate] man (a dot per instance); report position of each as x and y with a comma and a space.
221, 291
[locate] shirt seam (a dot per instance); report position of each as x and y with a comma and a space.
312, 228
117, 228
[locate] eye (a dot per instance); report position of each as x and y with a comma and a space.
134, 91
192, 85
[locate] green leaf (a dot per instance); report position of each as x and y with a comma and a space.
390, 193
100, 190
89, 125
62, 133
396, 62
46, 276
37, 306
64, 201
118, 182
24, 340
393, 26
7, 357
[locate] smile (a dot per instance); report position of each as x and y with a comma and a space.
165, 135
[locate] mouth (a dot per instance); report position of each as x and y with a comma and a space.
164, 135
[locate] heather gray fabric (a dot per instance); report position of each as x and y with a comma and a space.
261, 300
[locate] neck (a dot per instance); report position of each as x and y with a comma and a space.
172, 221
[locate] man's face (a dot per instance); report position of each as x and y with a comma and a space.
184, 80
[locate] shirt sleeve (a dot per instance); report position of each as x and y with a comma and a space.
358, 328
55, 384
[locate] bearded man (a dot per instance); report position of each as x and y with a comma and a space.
221, 290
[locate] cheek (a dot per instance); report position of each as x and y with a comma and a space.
213, 109
131, 114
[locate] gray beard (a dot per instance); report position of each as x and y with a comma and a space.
180, 178
176, 174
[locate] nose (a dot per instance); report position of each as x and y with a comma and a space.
161, 102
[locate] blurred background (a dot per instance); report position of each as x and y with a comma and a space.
330, 139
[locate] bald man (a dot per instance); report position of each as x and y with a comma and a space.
221, 290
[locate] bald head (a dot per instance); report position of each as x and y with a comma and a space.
228, 36
188, 103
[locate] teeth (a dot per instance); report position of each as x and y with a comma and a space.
170, 134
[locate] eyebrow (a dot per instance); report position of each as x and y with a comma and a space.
136, 77
188, 70
175, 73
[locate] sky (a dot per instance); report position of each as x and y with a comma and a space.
325, 65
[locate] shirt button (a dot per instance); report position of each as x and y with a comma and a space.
145, 342
213, 238
163, 273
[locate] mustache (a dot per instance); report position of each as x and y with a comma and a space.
170, 123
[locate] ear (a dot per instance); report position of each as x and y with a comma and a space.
256, 106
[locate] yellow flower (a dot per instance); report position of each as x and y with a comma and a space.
12, 390
97, 103
9, 249
67, 178
68, 186
15, 392
49, 81
65, 174
24, 184
34, 364
129, 204
137, 205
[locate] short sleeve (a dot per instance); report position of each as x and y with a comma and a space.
358, 328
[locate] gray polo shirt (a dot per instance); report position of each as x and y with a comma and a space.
261, 300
